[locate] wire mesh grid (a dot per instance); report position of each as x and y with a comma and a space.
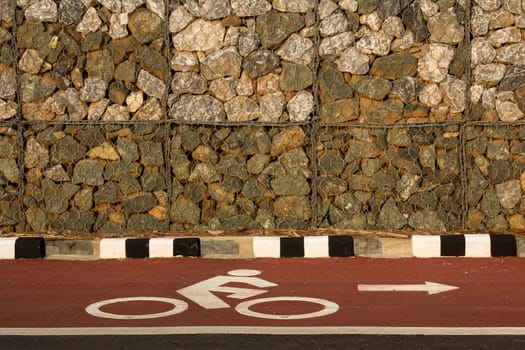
167, 115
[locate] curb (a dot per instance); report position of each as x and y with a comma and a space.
420, 246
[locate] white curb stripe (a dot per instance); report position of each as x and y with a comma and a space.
266, 247
477, 245
113, 248
7, 247
316, 247
426, 246
161, 247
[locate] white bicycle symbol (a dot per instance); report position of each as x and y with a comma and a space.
201, 294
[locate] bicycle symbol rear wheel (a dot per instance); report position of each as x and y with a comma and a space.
329, 308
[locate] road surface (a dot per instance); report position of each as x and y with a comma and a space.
319, 298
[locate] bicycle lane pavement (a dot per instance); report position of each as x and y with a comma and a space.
369, 292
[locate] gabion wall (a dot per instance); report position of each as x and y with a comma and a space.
157, 115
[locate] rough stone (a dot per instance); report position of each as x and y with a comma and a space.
353, 61
406, 89
340, 111
30, 62
42, 11
290, 185
250, 8
508, 111
444, 28
90, 22
274, 28
222, 63
334, 24
32, 88
145, 26
426, 221
271, 106
188, 83
8, 82
294, 207
297, 49
509, 193
287, 140
150, 84
395, 66
93, 90
295, 77
514, 78
414, 20
336, 45
434, 64
241, 108
511, 54
142, 202
88, 172
198, 108
489, 74
390, 217
260, 63
373, 87
300, 106
293, 5
179, 19
375, 43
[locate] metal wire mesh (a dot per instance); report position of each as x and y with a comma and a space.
163, 115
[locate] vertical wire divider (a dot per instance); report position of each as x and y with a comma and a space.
19, 124
167, 123
314, 124
468, 106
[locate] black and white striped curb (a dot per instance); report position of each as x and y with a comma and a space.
464, 245
299, 247
22, 248
468, 245
165, 247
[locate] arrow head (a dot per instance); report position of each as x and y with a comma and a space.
436, 288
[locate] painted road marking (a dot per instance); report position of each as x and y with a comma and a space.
329, 307
429, 287
94, 331
178, 307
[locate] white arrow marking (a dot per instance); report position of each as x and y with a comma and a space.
430, 287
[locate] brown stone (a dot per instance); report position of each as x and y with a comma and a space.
288, 139
340, 111
517, 222
294, 207
474, 219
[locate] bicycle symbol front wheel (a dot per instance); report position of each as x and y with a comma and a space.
329, 307
178, 307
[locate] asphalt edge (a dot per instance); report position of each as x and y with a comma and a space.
420, 246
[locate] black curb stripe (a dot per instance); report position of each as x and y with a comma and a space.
341, 246
30, 248
137, 248
292, 247
187, 247
503, 245
453, 245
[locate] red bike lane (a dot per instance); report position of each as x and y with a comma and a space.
368, 292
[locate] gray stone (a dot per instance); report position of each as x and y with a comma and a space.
331, 163
301, 106
407, 89
435, 62
499, 171
390, 218
331, 186
373, 87
151, 153
115, 170
292, 207
426, 221
511, 54
179, 19
260, 63
151, 85
75, 221
222, 63
414, 20
248, 42
271, 107
107, 193
152, 180
151, 110
36, 155
67, 150
295, 162
197, 108
348, 204
88, 172
274, 28
490, 205
56, 197
295, 77
90, 22
32, 88
9, 169
232, 166
188, 83
184, 211
334, 24
152, 61
129, 185
375, 43
353, 61
514, 78
332, 85
145, 223
37, 220
509, 193
57, 174
336, 45
214, 9
139, 203
200, 35
100, 64
444, 28
408, 185
42, 11
294, 5
388, 8
250, 8
241, 108
127, 150
145, 26
366, 6
395, 66
297, 49
93, 90
290, 185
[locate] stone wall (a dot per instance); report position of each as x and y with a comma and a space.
157, 115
